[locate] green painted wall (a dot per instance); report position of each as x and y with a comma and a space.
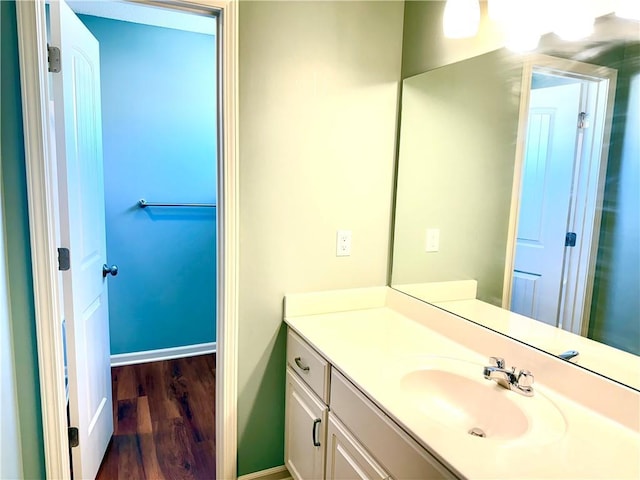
318, 103
18, 251
616, 303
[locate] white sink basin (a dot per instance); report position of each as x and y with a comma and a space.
455, 394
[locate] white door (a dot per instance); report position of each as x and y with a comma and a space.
545, 199
76, 94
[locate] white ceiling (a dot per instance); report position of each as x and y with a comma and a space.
146, 15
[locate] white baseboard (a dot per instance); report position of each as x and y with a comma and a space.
275, 473
121, 359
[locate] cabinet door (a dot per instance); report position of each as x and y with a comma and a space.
346, 458
305, 431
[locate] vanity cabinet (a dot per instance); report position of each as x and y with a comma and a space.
334, 432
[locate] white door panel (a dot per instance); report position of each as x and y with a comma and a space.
76, 91
547, 178
524, 298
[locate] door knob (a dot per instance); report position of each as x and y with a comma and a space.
106, 270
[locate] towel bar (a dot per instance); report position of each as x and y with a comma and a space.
142, 203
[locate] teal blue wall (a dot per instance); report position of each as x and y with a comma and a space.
159, 141
18, 252
616, 303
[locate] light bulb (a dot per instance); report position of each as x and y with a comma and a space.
628, 9
461, 18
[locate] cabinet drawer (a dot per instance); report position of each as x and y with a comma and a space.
307, 363
400, 455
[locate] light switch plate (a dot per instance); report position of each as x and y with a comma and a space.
432, 243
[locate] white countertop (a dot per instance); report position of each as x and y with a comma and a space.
376, 345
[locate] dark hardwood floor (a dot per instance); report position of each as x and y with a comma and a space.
164, 421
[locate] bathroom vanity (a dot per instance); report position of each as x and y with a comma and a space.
381, 385
324, 402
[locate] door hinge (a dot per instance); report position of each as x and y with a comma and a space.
74, 437
570, 239
54, 59
64, 260
583, 121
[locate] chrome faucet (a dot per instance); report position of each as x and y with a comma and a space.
520, 383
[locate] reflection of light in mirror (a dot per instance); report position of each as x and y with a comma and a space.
498, 10
628, 9
461, 18
524, 21
573, 19
522, 37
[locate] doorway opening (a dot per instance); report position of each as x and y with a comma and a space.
154, 109
48, 229
565, 124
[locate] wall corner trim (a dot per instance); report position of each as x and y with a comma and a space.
160, 354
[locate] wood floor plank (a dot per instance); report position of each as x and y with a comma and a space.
115, 379
205, 457
150, 463
199, 390
140, 381
183, 390
130, 463
164, 421
174, 449
126, 420
144, 417
162, 404
127, 383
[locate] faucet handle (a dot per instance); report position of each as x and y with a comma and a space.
497, 362
525, 378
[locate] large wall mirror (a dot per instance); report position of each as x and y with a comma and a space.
518, 192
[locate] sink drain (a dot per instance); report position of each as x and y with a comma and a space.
477, 432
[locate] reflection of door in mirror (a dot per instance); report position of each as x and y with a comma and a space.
565, 126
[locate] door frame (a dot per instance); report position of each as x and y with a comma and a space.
586, 210
44, 229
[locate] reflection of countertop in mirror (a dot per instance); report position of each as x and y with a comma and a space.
376, 336
616, 364
459, 297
